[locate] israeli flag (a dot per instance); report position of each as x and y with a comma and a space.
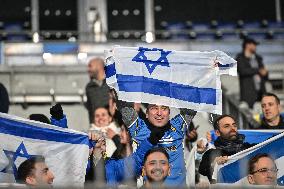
65, 151
235, 170
253, 136
181, 79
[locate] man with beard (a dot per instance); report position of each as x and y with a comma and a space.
262, 170
97, 91
156, 168
35, 173
158, 120
252, 73
229, 142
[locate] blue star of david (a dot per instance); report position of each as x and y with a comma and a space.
152, 64
12, 156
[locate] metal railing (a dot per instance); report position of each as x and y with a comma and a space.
243, 114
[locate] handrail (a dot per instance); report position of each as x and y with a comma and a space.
243, 114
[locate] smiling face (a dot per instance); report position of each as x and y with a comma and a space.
102, 117
158, 115
156, 167
41, 175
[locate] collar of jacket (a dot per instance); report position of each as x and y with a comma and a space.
280, 124
230, 146
98, 82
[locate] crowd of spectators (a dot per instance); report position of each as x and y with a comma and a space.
134, 143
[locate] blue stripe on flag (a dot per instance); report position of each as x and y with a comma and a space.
225, 65
235, 171
20, 129
110, 70
256, 136
280, 181
130, 83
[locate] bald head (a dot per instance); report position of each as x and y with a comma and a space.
96, 69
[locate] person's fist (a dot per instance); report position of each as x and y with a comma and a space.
263, 72
201, 146
56, 111
94, 136
101, 145
208, 136
110, 133
221, 160
192, 135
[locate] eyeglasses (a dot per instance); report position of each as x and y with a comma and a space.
265, 171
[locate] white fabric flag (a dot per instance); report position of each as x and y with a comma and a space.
181, 79
66, 151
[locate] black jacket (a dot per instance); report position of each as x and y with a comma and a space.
264, 125
223, 148
4, 99
97, 96
248, 92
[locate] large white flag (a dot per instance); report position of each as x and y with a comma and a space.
235, 170
66, 151
181, 79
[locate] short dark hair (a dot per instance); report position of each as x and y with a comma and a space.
216, 122
156, 149
39, 117
26, 168
248, 41
148, 106
271, 94
254, 160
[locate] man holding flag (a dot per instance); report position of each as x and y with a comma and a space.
262, 169
173, 131
229, 142
160, 78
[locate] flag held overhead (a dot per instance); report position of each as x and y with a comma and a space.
181, 79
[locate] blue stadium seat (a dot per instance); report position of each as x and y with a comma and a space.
230, 36
276, 24
226, 25
15, 30
201, 26
258, 35
206, 36
176, 30
279, 35
251, 25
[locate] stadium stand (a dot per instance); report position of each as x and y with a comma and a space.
45, 46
